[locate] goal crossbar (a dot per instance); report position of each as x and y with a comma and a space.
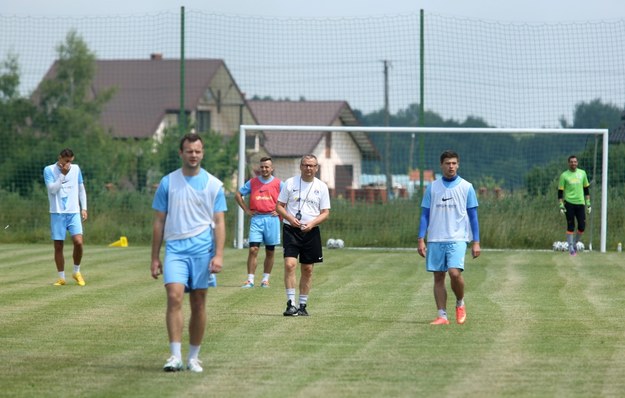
442, 130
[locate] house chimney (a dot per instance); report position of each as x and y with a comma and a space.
156, 56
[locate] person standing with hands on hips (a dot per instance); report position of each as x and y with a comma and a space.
574, 200
303, 203
68, 210
189, 209
449, 217
264, 223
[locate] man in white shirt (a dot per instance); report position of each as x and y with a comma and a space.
303, 203
68, 210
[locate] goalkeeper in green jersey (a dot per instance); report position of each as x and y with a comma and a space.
574, 199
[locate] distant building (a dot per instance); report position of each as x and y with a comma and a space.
147, 101
340, 154
147, 96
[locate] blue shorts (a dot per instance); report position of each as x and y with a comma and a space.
60, 223
192, 272
444, 255
265, 229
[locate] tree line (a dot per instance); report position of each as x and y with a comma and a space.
63, 112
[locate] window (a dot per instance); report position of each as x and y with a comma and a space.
203, 121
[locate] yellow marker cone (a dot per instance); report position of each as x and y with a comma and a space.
122, 242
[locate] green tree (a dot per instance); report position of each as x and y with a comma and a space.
220, 155
15, 132
69, 112
594, 114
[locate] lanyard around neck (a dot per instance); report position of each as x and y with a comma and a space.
299, 207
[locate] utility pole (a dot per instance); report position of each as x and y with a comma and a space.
387, 137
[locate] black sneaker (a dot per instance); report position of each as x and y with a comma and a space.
291, 310
302, 310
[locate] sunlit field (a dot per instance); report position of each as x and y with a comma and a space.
539, 324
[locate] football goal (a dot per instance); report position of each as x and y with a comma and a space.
377, 176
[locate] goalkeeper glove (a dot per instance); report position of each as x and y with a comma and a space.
588, 208
562, 209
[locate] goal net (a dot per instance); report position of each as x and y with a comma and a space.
377, 176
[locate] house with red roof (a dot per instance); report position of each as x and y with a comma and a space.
147, 100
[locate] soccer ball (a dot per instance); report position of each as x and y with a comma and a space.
564, 246
335, 243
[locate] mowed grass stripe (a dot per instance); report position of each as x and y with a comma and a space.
332, 301
531, 331
91, 319
490, 348
596, 300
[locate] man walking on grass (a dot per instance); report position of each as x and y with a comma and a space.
264, 222
449, 217
189, 209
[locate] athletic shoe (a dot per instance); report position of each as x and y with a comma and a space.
195, 365
248, 285
173, 364
440, 321
573, 253
461, 315
59, 282
264, 284
291, 310
78, 278
302, 310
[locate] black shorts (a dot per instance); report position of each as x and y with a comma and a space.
306, 245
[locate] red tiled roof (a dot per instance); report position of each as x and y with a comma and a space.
146, 89
303, 113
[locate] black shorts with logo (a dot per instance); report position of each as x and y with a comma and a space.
306, 245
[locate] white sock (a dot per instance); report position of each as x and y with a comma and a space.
442, 314
460, 303
290, 295
250, 277
62, 274
176, 349
194, 351
76, 268
266, 277
303, 298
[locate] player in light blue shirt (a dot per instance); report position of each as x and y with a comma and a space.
189, 209
68, 210
449, 218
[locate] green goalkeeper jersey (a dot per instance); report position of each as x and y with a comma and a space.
573, 184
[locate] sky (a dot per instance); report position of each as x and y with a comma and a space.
35, 43
496, 10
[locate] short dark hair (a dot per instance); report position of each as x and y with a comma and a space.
191, 137
265, 159
571, 157
308, 156
66, 153
449, 154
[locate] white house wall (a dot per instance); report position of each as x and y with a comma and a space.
344, 151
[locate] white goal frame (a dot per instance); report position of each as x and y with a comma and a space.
442, 130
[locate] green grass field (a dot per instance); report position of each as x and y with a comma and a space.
539, 324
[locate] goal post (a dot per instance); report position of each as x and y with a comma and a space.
437, 133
